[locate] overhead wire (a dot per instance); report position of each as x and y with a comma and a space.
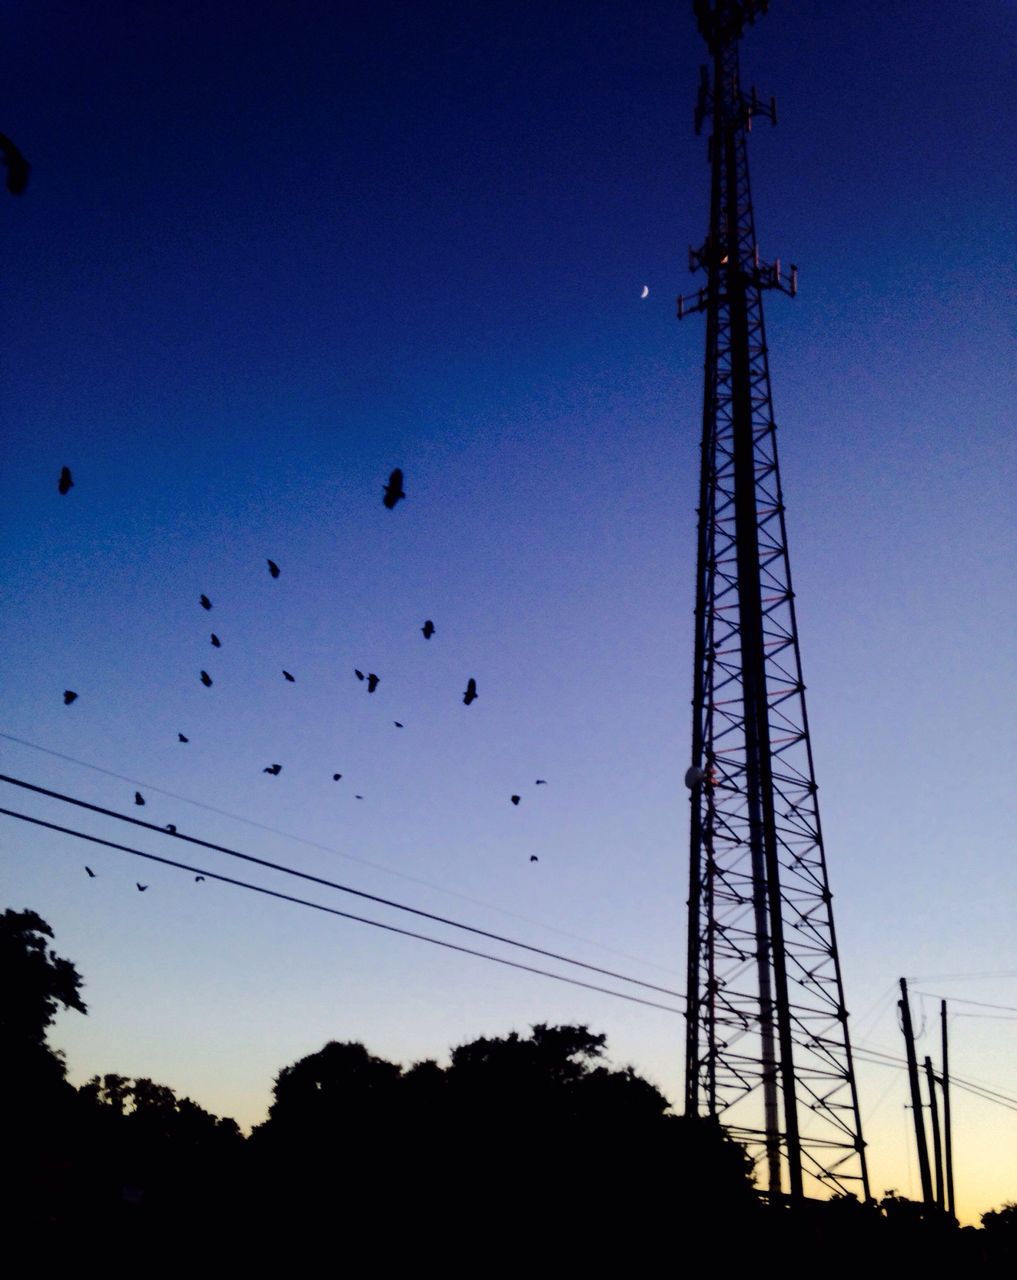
869, 1054
963, 977
994, 1017
334, 884
333, 911
879, 1058
984, 1004
339, 853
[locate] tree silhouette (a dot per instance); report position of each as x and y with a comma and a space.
35, 980
37, 1105
340, 1088
1002, 1221
34, 983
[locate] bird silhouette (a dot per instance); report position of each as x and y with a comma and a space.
358, 674
171, 828
541, 782
394, 489
336, 777
291, 679
17, 166
91, 873
139, 798
398, 725
205, 602
534, 858
372, 681
182, 738
69, 697
515, 799
206, 680
198, 879
273, 769
273, 568
471, 691
216, 642
358, 797
428, 629
66, 482
141, 887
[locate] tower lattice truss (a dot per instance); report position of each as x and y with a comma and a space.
768, 1052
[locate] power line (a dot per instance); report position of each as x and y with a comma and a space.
984, 1004
1010, 1104
879, 1058
996, 1017
964, 977
339, 853
871, 1055
334, 884
333, 911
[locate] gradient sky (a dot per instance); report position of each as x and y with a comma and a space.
271, 251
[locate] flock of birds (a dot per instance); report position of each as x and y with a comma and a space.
393, 493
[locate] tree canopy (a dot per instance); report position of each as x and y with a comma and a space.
35, 981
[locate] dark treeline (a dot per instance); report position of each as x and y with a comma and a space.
524, 1153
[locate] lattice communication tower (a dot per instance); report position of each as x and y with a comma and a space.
767, 1048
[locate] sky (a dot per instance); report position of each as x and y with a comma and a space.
269, 252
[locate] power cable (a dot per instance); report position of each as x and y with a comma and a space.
996, 1017
963, 977
333, 884
339, 853
984, 1004
877, 1058
332, 911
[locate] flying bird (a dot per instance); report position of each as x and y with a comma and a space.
205, 602
515, 799
182, 738
198, 879
273, 769
471, 691
273, 568
397, 724
358, 674
336, 777
139, 798
372, 681
69, 697
541, 782
358, 797
216, 642
394, 489
646, 291
534, 858
18, 167
91, 873
428, 629
171, 828
141, 887
206, 680
291, 679
66, 483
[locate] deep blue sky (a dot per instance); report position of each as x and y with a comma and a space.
271, 251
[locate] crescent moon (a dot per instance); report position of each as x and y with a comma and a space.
646, 291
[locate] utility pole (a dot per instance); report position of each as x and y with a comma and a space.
767, 1048
937, 1146
916, 1094
951, 1207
